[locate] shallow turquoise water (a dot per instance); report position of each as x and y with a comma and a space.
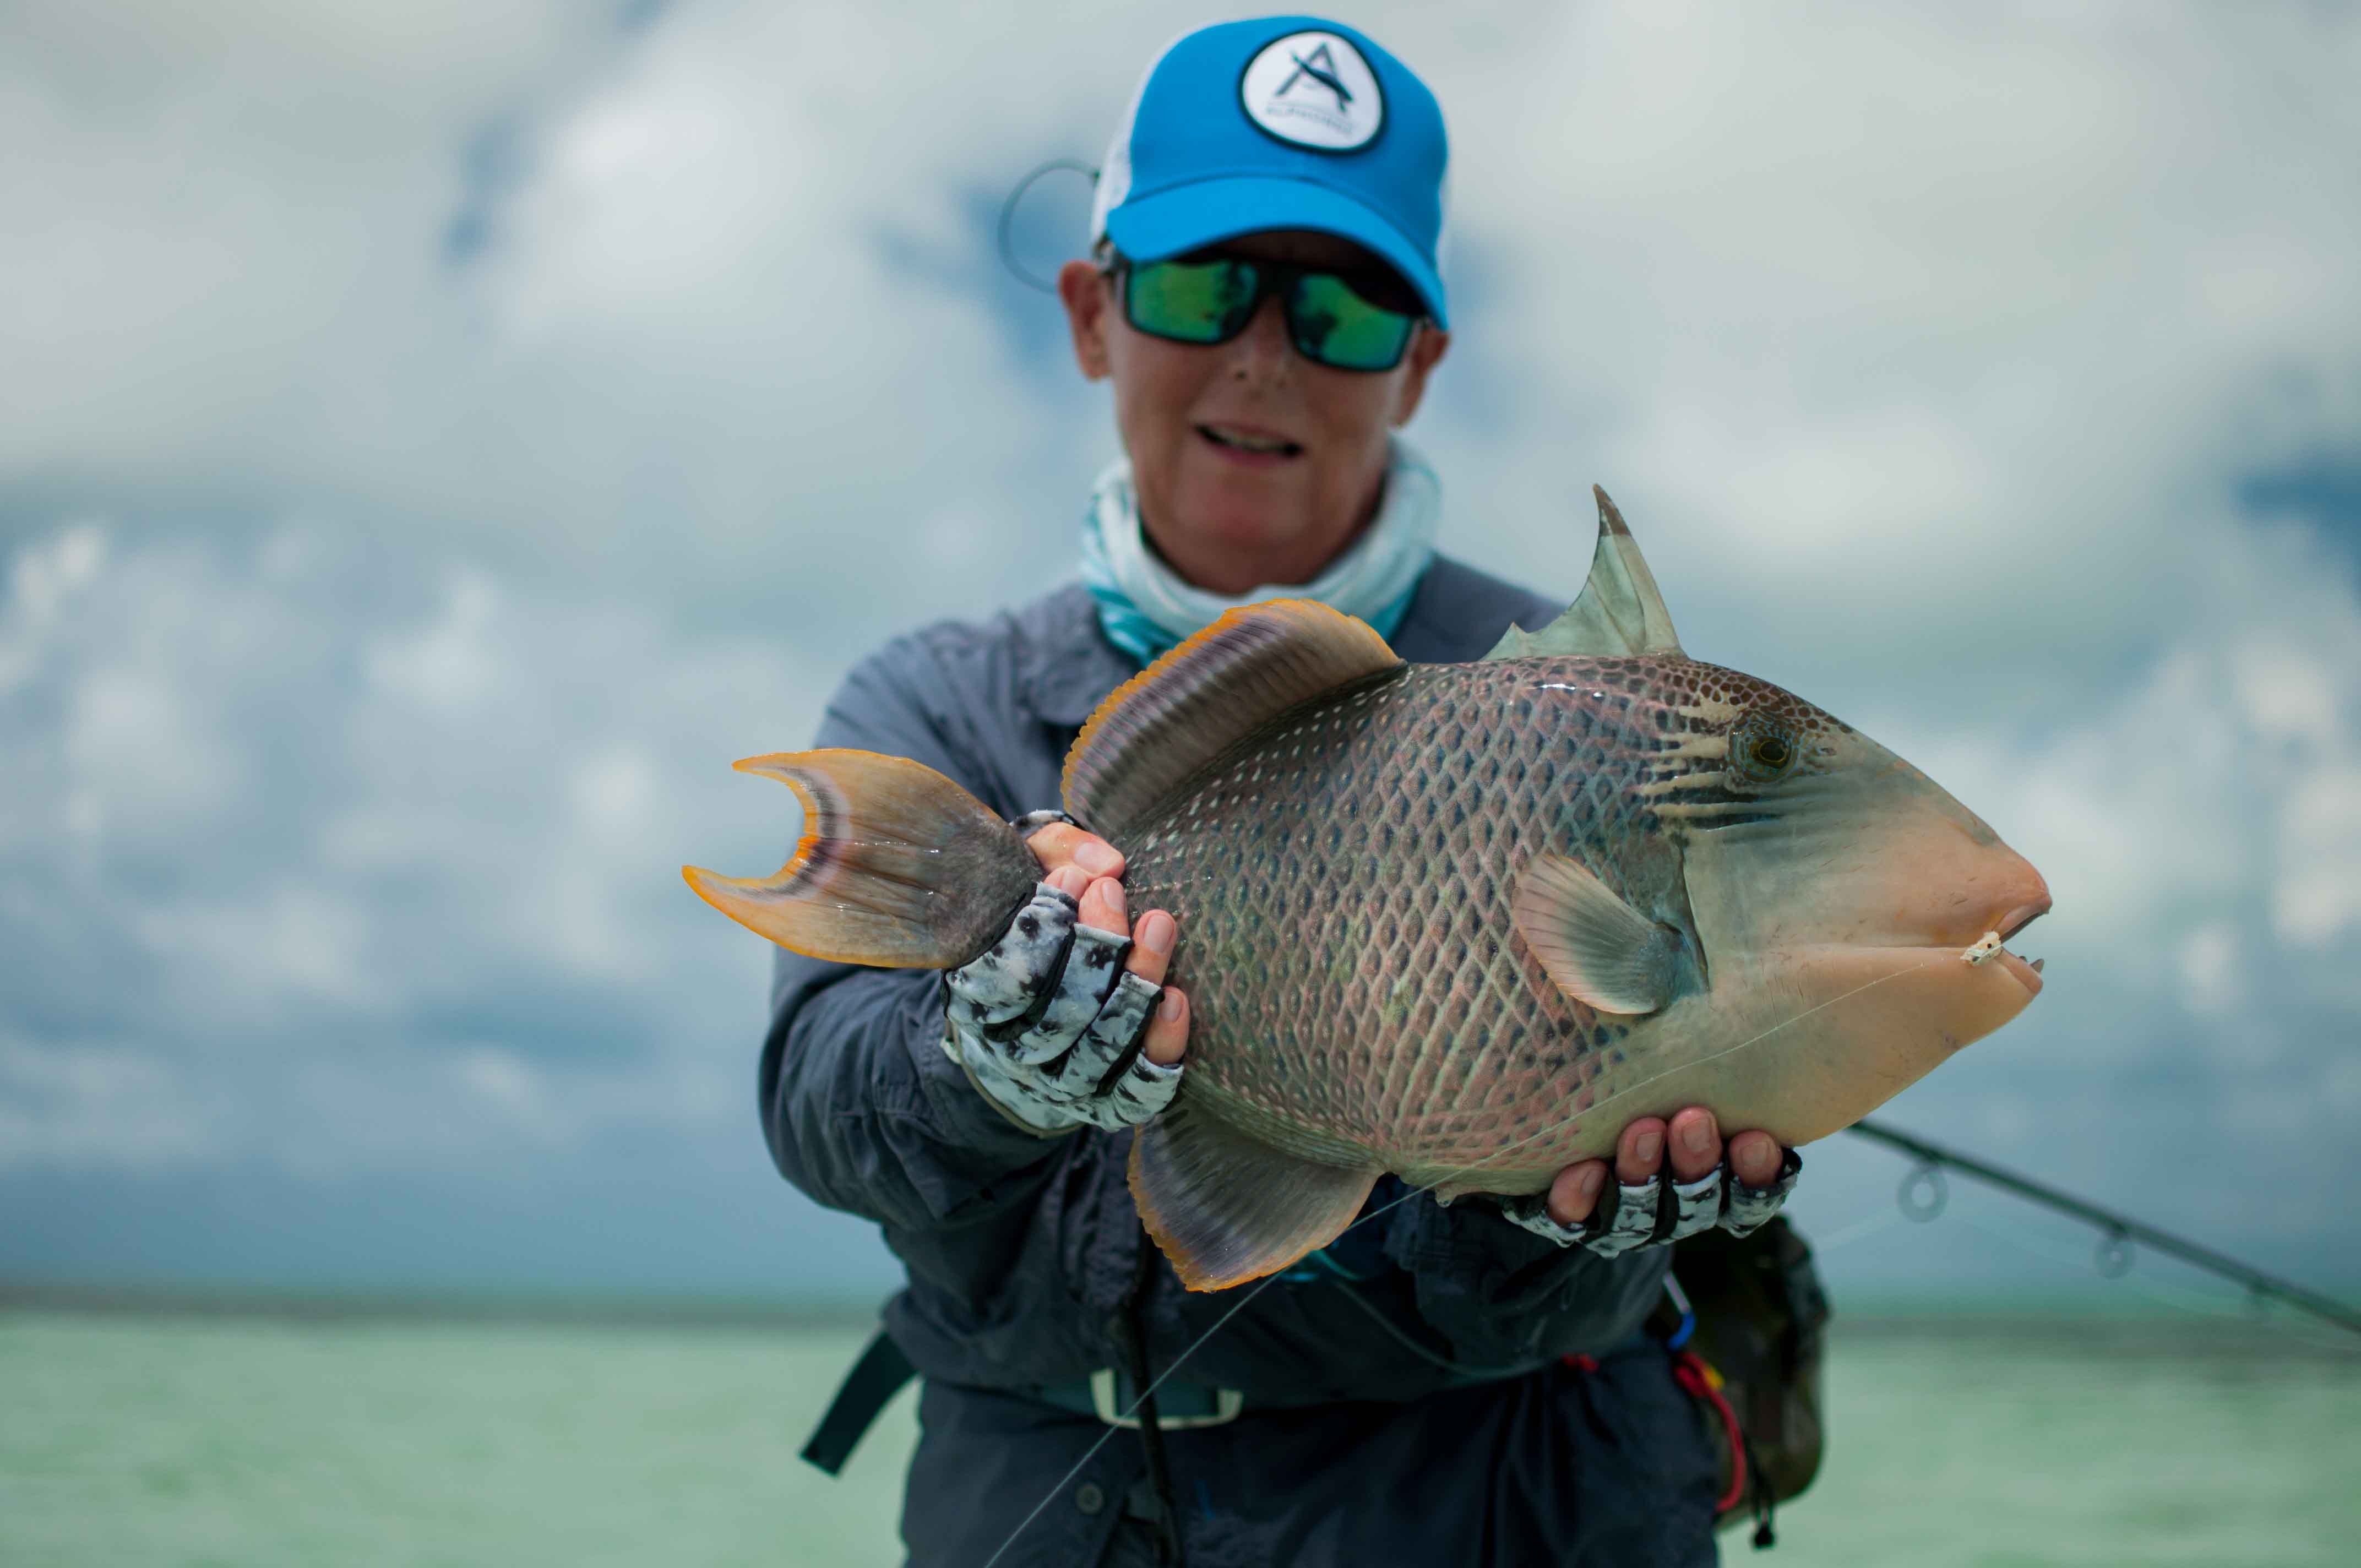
254, 1442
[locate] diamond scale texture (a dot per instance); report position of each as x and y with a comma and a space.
1343, 877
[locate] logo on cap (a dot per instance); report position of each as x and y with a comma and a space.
1314, 90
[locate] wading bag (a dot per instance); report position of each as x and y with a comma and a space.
1760, 1323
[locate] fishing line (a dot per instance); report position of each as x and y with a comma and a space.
2119, 1233
2194, 1302
1717, 1056
1223, 1321
1859, 1230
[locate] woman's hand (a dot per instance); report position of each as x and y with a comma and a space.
1065, 1021
1696, 1146
1642, 1208
1090, 869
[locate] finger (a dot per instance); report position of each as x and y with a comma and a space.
1639, 1152
1574, 1194
1151, 950
1695, 1143
1063, 844
1071, 880
1104, 907
1754, 1158
1111, 1044
1143, 1090
1168, 1032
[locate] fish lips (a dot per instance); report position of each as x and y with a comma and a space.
2025, 974
2023, 914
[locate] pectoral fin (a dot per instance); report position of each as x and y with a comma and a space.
1226, 1207
1600, 950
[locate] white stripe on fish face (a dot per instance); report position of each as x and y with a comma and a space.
1829, 886
1831, 904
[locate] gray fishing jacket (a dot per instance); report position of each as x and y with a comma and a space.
1439, 1387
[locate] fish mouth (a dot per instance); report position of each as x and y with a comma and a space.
2023, 914
2026, 973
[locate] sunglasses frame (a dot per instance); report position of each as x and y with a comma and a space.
1271, 278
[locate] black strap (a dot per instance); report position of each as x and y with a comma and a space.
875, 1379
1133, 1329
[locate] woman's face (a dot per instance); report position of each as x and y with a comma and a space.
1253, 464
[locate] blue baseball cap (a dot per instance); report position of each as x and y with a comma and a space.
1279, 122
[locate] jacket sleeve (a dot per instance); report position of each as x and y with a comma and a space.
862, 1110
1503, 1296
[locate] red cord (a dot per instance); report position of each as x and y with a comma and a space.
1690, 1370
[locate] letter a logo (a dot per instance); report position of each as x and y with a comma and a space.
1320, 68
1314, 90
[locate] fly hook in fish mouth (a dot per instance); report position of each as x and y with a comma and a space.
1988, 946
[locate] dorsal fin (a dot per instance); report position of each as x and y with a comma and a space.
1620, 614
1204, 697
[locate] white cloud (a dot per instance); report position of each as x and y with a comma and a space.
447, 665
394, 797
41, 586
83, 1105
501, 420
2207, 958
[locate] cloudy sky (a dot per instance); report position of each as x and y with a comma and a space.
436, 439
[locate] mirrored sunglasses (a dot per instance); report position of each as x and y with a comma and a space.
1347, 321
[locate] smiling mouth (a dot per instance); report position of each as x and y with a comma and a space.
1259, 445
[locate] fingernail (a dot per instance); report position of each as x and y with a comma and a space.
1111, 892
1156, 933
1649, 1146
1070, 880
1697, 1136
1096, 857
1169, 1008
1591, 1180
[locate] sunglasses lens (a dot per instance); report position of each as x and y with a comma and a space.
1337, 327
1191, 302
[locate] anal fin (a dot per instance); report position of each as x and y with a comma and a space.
1227, 1208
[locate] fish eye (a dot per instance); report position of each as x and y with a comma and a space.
1760, 749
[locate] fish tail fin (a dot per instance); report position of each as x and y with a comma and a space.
899, 866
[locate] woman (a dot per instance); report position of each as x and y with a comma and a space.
1453, 1385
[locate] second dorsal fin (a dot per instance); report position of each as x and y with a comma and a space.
1619, 614
1206, 696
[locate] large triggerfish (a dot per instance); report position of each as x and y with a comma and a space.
1459, 922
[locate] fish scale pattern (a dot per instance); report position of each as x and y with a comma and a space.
1343, 878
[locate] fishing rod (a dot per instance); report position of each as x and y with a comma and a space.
1923, 1195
